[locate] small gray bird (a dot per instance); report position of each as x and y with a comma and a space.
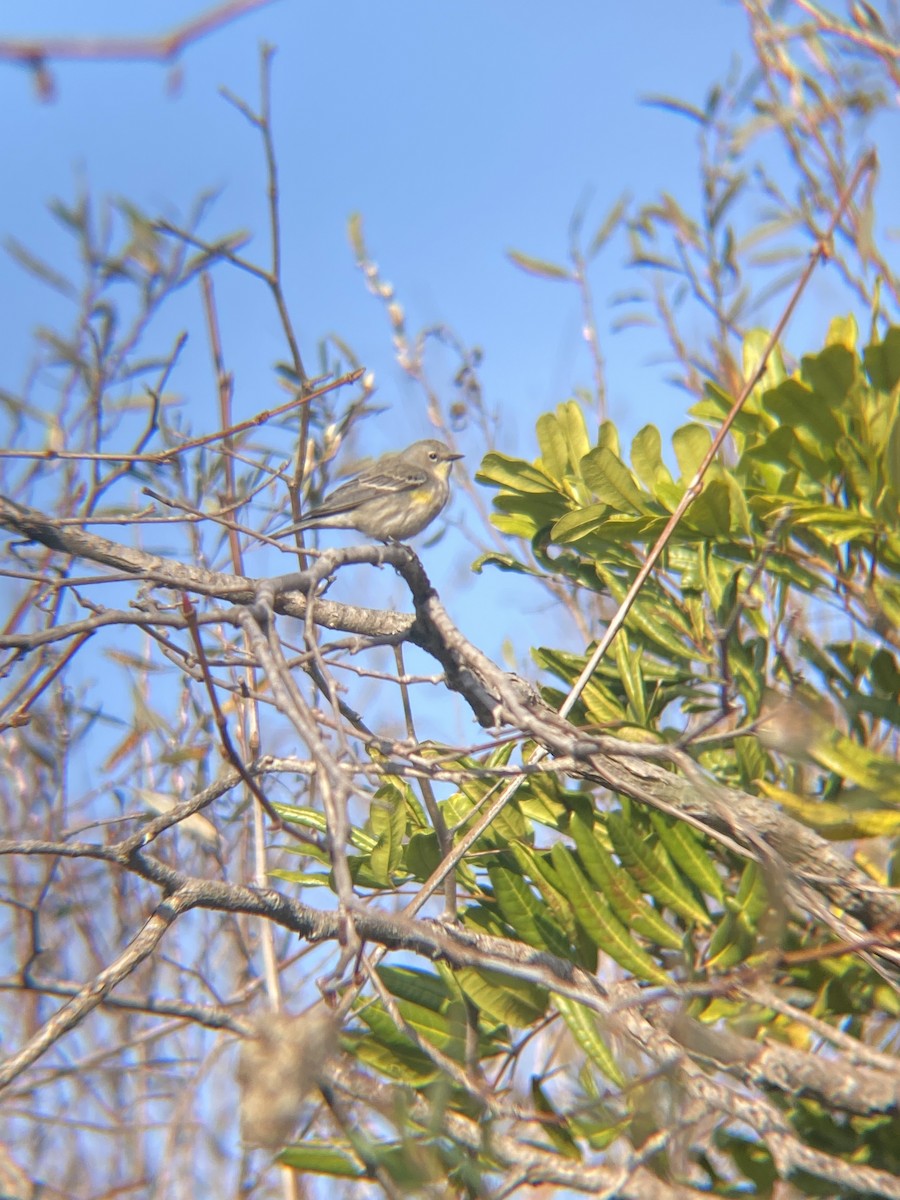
393, 499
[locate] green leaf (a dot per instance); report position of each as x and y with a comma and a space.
781, 448
419, 987
834, 524
652, 872
612, 482
751, 424
385, 1050
571, 419
691, 444
556, 1127
628, 660
731, 943
754, 346
536, 866
515, 474
309, 818
624, 895
582, 1025
509, 827
608, 438
710, 512
737, 504
892, 455
886, 674
800, 409
524, 516
600, 704
422, 855
689, 854
509, 1001
434, 1027
715, 405
836, 822
875, 772
321, 1158
554, 451
752, 897
754, 1160
887, 596
304, 878
312, 818
600, 519
659, 623
882, 361
505, 562
544, 800
831, 373
600, 923
843, 332
521, 909
646, 458
387, 820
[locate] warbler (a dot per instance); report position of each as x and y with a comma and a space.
393, 499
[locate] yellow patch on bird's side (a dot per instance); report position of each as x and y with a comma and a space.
422, 495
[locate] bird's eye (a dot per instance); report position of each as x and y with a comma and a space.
432, 454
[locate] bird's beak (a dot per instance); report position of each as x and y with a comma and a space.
454, 457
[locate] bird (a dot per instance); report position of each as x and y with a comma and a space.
391, 500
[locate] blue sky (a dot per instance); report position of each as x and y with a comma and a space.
457, 131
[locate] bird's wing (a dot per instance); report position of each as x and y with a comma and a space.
398, 479
365, 487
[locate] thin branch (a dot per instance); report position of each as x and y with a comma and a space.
163, 47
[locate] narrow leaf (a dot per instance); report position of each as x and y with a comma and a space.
652, 872
538, 266
689, 854
600, 923
619, 888
321, 1158
582, 1025
608, 225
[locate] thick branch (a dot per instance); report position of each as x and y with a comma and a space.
497, 697
170, 573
